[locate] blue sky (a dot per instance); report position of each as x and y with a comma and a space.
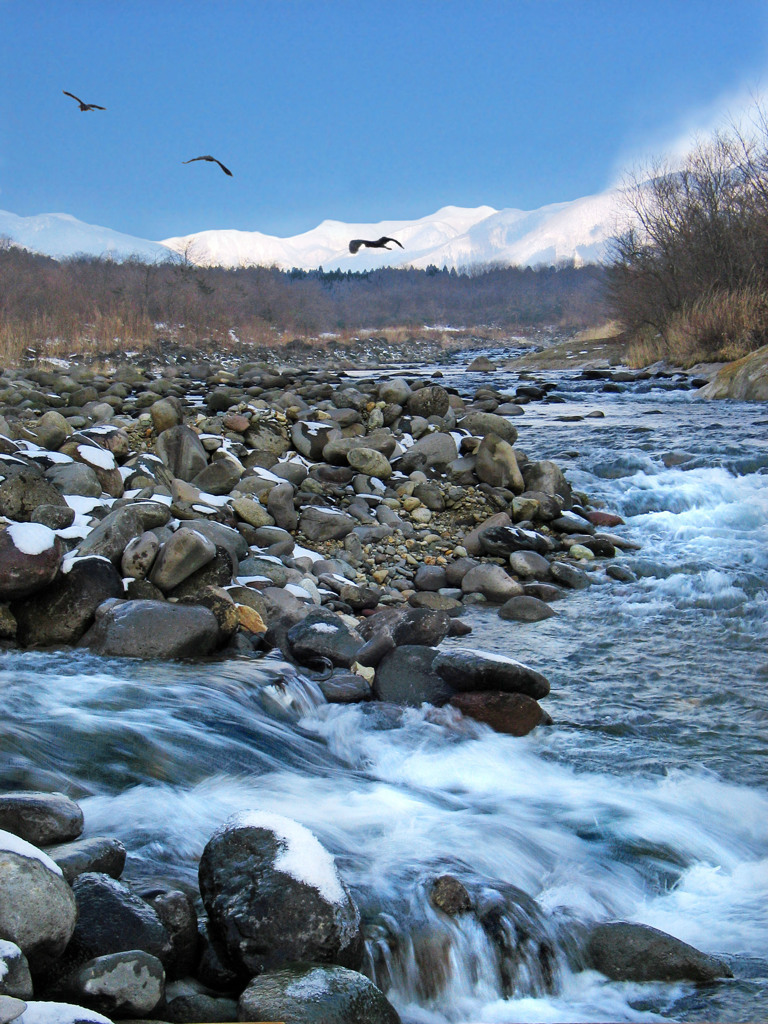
354, 110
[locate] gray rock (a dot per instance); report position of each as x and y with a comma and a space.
492, 581
113, 919
23, 489
176, 910
129, 983
55, 517
525, 608
52, 430
471, 540
97, 853
321, 524
40, 818
620, 573
29, 559
406, 676
222, 536
496, 464
395, 391
220, 476
430, 577
74, 478
37, 908
370, 462
166, 413
153, 629
274, 895
467, 671
15, 978
182, 452
310, 994
311, 436
345, 688
624, 951
484, 423
112, 534
281, 507
431, 400
139, 555
432, 451
62, 612
529, 565
200, 1007
185, 552
547, 476
501, 541
569, 575
323, 635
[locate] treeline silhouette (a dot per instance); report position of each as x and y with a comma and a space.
97, 301
690, 279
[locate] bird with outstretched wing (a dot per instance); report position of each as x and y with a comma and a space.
83, 106
213, 160
380, 243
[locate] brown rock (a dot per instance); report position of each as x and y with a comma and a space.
512, 713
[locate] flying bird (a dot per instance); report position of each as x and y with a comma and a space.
83, 106
380, 243
212, 159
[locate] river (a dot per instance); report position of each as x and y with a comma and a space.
646, 800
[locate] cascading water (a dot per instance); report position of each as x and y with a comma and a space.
645, 801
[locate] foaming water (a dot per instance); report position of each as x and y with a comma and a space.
645, 801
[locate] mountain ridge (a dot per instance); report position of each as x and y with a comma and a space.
455, 237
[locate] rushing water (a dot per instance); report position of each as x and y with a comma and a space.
645, 801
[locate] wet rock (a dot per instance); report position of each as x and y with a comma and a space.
621, 573
547, 476
569, 575
40, 818
468, 670
624, 951
529, 565
323, 635
40, 1011
525, 608
113, 919
200, 1007
153, 629
29, 559
501, 541
37, 908
345, 688
512, 713
63, 611
449, 895
97, 853
310, 994
274, 895
176, 910
126, 984
406, 676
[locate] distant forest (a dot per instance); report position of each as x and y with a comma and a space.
88, 301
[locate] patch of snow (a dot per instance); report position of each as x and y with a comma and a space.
265, 474
301, 856
14, 844
31, 538
59, 1013
324, 627
82, 504
300, 552
98, 457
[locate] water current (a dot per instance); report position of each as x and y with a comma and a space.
645, 801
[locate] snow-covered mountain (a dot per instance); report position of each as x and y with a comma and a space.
453, 237
59, 235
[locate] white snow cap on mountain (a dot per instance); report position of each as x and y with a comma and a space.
458, 237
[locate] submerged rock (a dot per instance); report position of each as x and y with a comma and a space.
624, 951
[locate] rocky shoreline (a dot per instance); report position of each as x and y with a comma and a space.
208, 511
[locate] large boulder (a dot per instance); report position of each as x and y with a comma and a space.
274, 895
468, 670
37, 907
62, 612
113, 919
432, 451
746, 379
153, 629
40, 818
323, 635
624, 951
406, 676
484, 423
29, 559
310, 994
431, 400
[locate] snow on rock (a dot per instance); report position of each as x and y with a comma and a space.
302, 856
38, 1012
98, 457
14, 844
31, 538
